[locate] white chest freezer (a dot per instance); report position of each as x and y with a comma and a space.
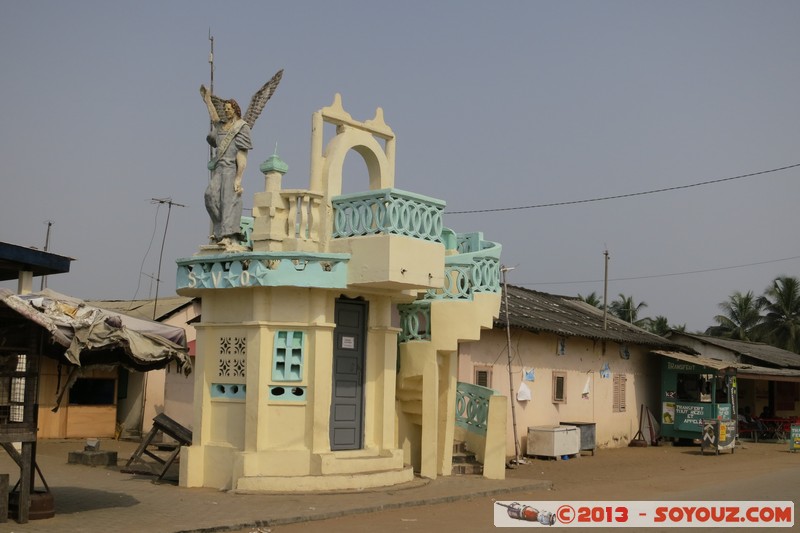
554, 441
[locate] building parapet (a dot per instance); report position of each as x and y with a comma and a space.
263, 269
476, 268
388, 211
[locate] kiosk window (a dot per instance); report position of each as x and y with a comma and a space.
92, 391
695, 387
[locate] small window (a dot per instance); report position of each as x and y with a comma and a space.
92, 391
287, 359
619, 393
559, 387
483, 377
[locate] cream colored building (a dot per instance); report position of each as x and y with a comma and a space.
327, 350
581, 371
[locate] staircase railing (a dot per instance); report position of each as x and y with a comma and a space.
472, 407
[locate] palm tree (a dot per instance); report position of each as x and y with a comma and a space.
740, 318
626, 309
592, 299
781, 323
659, 325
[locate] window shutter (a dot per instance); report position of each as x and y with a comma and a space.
619, 393
483, 376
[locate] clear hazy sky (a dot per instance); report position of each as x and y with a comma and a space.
494, 104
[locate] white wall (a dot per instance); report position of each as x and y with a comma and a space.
583, 360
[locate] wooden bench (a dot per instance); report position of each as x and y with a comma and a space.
166, 426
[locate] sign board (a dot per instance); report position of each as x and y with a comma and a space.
719, 434
794, 438
689, 416
348, 343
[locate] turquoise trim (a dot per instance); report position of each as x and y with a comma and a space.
246, 225
263, 269
472, 407
228, 391
388, 212
475, 269
415, 321
275, 163
287, 393
288, 356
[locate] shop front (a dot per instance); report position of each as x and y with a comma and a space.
694, 389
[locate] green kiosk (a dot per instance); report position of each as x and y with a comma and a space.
694, 392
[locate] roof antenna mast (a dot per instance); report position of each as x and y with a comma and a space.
46, 249
169, 203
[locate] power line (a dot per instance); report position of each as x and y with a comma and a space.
628, 195
665, 275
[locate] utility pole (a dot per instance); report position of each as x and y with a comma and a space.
510, 374
605, 291
46, 248
170, 203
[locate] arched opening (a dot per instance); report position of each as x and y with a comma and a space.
355, 174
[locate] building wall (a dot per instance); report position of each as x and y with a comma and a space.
177, 388
73, 421
255, 440
708, 350
582, 361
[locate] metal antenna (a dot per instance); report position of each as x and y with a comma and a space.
605, 291
211, 88
46, 248
170, 203
211, 60
210, 122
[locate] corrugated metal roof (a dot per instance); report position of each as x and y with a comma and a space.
569, 317
742, 369
754, 350
709, 362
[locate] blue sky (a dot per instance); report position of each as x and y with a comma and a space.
494, 105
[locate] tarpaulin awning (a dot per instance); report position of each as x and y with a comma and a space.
94, 336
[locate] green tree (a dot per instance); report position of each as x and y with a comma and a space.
740, 318
592, 299
781, 322
626, 309
659, 325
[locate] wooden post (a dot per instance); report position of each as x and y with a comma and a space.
3, 498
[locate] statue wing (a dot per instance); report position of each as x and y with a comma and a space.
219, 105
260, 99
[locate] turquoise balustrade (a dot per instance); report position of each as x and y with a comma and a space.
476, 268
415, 320
388, 211
472, 407
465, 274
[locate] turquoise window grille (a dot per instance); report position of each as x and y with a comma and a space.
287, 359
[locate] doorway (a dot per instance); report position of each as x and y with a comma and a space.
347, 402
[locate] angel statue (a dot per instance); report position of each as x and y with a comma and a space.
230, 136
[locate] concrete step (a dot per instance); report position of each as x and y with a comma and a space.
464, 461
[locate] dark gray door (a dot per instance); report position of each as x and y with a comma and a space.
347, 403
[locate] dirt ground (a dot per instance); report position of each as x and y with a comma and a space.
653, 473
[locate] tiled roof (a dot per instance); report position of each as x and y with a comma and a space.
570, 317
